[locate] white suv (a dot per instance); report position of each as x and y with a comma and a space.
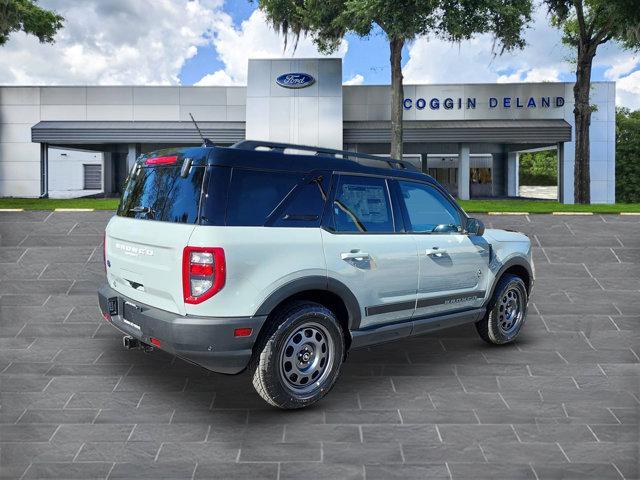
280, 258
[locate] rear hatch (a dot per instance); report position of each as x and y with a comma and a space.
158, 212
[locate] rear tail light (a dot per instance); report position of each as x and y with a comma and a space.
161, 160
203, 273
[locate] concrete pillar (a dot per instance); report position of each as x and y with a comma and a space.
513, 165
44, 170
561, 174
132, 154
463, 171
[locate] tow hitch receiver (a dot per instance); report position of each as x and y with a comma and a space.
131, 343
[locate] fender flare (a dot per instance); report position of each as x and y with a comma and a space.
512, 262
315, 282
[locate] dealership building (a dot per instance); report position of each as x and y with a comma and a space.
81, 140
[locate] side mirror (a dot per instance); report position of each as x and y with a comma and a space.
475, 227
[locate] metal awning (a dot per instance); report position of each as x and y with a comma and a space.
59, 132
428, 131
451, 131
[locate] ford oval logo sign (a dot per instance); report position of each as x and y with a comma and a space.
295, 80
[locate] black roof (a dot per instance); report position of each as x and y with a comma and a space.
282, 157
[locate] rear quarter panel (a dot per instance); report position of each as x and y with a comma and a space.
259, 260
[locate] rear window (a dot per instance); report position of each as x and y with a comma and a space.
160, 193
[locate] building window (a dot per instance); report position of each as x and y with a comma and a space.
92, 177
480, 175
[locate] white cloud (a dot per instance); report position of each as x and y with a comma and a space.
357, 79
622, 65
219, 77
436, 61
531, 75
628, 91
545, 58
114, 42
254, 39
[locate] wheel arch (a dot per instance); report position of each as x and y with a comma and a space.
326, 291
515, 266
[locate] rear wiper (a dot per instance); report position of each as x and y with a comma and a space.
145, 210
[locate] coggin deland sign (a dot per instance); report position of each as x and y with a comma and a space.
469, 103
302, 80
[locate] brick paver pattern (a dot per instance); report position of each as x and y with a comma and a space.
562, 402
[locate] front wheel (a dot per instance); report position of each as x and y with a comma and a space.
507, 312
299, 357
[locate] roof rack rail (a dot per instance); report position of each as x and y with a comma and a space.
345, 154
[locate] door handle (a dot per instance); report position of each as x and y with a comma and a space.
436, 252
359, 256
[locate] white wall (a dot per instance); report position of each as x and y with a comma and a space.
23, 107
373, 103
306, 116
66, 171
312, 115
19, 158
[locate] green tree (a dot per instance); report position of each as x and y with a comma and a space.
539, 168
587, 24
627, 156
28, 17
327, 22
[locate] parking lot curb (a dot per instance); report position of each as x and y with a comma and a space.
74, 209
572, 213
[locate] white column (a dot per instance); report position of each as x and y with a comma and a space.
463, 171
513, 165
132, 154
563, 196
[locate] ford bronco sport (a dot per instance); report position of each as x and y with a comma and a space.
281, 258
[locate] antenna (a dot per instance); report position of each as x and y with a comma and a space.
205, 141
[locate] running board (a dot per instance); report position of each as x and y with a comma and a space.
417, 326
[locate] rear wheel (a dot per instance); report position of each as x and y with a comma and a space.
507, 313
299, 357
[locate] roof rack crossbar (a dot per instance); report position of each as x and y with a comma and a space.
347, 155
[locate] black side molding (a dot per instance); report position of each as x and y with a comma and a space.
418, 326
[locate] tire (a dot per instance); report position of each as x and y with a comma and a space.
305, 340
507, 312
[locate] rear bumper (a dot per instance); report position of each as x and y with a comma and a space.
206, 341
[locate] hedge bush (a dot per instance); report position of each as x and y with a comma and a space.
627, 156
539, 168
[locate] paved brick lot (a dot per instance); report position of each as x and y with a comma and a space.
561, 403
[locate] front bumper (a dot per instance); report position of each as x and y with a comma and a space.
206, 341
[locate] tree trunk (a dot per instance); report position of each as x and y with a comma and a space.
397, 97
582, 115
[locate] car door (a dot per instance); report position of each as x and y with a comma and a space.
453, 266
366, 250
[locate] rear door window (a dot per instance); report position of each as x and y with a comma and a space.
255, 194
160, 193
361, 204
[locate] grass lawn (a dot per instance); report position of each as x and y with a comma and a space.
471, 206
50, 203
542, 206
